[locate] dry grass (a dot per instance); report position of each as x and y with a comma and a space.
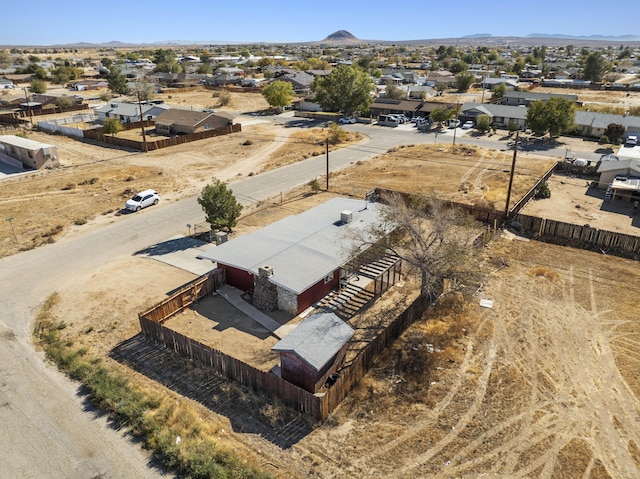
466, 174
306, 144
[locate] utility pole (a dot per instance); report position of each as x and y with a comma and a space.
455, 124
28, 107
327, 147
513, 168
144, 137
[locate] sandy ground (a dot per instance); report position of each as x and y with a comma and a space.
573, 200
542, 385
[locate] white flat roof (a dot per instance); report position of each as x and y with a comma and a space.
301, 249
26, 143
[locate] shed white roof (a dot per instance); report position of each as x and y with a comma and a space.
301, 249
316, 339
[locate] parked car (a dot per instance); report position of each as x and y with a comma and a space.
454, 123
468, 125
142, 200
346, 120
631, 140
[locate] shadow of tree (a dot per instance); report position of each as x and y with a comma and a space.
170, 246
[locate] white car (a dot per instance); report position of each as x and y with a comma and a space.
142, 200
467, 125
346, 120
632, 140
454, 123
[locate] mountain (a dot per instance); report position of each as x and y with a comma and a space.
601, 38
341, 37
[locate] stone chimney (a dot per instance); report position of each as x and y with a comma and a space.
265, 293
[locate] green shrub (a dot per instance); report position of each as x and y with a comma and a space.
543, 191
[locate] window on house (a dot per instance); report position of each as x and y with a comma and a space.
30, 153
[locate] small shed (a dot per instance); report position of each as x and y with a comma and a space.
313, 350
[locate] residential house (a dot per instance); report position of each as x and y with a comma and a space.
408, 108
307, 104
501, 115
301, 81
30, 153
420, 91
11, 100
129, 112
441, 76
525, 98
222, 79
292, 263
82, 85
622, 177
19, 78
594, 124
179, 122
509, 83
313, 350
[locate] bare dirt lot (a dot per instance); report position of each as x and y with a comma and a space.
575, 200
543, 385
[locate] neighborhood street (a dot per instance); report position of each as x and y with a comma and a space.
44, 428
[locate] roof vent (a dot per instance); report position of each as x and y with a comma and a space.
346, 216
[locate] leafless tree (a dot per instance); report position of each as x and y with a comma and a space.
433, 239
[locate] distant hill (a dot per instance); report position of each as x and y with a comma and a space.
341, 37
602, 38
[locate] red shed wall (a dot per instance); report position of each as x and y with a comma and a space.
297, 371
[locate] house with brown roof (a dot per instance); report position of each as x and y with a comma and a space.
180, 122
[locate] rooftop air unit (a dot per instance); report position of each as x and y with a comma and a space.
346, 216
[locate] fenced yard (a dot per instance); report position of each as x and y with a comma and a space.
317, 406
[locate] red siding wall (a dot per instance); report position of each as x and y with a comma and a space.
297, 371
317, 291
238, 278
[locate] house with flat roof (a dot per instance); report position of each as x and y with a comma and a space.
292, 263
313, 350
24, 152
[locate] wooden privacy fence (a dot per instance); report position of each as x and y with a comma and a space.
98, 135
318, 406
350, 376
531, 193
580, 236
185, 296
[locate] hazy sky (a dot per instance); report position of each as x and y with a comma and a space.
48, 22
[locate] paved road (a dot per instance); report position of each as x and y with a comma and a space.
44, 430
